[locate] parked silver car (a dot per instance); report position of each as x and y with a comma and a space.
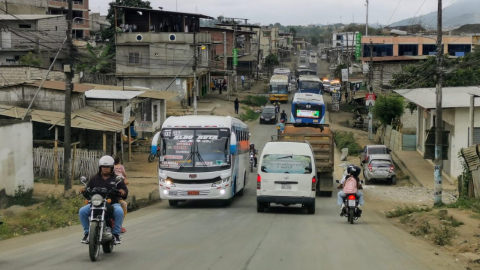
373, 150
379, 167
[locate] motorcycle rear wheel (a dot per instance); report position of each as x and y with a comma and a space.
151, 158
351, 213
108, 247
93, 245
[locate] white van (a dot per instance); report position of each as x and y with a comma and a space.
286, 175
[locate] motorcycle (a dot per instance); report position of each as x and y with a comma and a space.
152, 156
252, 160
351, 210
101, 218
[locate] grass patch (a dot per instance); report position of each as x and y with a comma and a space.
443, 236
475, 216
407, 210
257, 101
248, 115
422, 230
466, 204
452, 221
54, 212
347, 140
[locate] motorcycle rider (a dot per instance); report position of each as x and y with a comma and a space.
253, 152
352, 171
105, 178
283, 116
277, 105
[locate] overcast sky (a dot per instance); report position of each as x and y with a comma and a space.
296, 12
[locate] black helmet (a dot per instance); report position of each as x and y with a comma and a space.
353, 170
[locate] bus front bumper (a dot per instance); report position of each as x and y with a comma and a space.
194, 192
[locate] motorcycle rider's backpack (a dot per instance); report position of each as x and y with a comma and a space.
350, 186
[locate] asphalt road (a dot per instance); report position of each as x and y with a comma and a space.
209, 236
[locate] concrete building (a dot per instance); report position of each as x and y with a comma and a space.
21, 74
269, 40
96, 17
81, 28
155, 46
391, 54
40, 34
456, 106
16, 156
52, 7
343, 39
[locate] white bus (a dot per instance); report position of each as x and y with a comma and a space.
202, 157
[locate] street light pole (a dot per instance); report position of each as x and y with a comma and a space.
439, 121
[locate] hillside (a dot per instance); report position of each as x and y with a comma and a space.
459, 13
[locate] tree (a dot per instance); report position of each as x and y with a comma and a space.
293, 31
270, 61
30, 60
314, 39
98, 60
109, 33
388, 109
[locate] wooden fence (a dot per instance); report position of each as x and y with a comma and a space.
84, 162
392, 138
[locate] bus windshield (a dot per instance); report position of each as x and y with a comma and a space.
310, 85
278, 89
195, 150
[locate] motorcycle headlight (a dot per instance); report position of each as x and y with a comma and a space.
221, 182
97, 200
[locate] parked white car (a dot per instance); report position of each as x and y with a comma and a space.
286, 175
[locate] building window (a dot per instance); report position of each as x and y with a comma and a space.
407, 49
459, 49
429, 49
267, 34
134, 57
155, 113
24, 26
379, 50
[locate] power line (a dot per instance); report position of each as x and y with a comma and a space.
394, 11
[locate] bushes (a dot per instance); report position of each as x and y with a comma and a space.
257, 101
248, 115
347, 140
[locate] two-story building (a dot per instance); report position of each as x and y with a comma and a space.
391, 53
155, 49
39, 34
269, 40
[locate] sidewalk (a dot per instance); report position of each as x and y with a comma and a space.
419, 169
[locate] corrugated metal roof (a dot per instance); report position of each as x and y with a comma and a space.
112, 94
452, 97
56, 85
153, 94
85, 118
27, 17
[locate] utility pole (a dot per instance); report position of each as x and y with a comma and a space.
439, 120
370, 69
195, 60
472, 118
233, 62
366, 24
370, 90
68, 69
258, 55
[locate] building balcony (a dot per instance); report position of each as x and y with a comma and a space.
163, 37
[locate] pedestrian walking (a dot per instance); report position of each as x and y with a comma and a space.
236, 105
346, 96
243, 80
119, 170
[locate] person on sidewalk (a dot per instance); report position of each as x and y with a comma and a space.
243, 81
119, 170
346, 96
236, 105
104, 179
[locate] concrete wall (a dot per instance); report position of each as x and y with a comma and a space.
101, 104
20, 74
456, 121
383, 72
50, 100
24, 7
409, 121
16, 156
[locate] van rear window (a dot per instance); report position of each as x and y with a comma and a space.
281, 163
377, 150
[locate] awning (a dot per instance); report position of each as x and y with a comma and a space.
86, 118
247, 58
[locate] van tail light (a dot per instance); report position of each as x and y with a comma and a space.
351, 197
314, 183
392, 168
259, 181
370, 168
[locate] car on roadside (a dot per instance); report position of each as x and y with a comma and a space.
268, 115
286, 175
326, 86
379, 167
373, 150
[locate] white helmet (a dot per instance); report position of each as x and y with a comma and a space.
106, 161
